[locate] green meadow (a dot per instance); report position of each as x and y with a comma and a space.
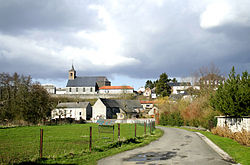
69, 144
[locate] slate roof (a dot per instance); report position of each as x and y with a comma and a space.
73, 105
179, 84
110, 103
129, 105
83, 82
126, 105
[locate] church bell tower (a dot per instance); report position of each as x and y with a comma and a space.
72, 73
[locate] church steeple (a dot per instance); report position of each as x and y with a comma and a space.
72, 73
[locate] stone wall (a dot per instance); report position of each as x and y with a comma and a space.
234, 124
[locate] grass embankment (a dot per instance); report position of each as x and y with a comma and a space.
240, 153
68, 144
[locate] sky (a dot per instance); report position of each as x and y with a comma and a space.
129, 42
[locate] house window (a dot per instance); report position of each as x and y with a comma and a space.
76, 89
80, 113
83, 89
69, 89
91, 89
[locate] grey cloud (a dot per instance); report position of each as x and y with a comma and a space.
163, 39
18, 16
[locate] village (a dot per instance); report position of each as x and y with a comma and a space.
110, 100
119, 82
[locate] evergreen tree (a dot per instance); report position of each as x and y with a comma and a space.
162, 87
149, 84
233, 97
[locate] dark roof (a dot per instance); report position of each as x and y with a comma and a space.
82, 82
73, 105
110, 103
179, 84
129, 105
126, 105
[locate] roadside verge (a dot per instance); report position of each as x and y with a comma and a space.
222, 153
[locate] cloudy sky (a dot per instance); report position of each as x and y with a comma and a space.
127, 41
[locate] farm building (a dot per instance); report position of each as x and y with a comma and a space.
116, 109
116, 89
73, 110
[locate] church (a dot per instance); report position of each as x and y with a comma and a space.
86, 84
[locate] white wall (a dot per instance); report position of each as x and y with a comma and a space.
179, 89
234, 124
98, 110
80, 90
115, 91
147, 106
69, 112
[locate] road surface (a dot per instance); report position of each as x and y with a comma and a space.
176, 146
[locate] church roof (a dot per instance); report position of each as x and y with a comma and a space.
82, 82
85, 81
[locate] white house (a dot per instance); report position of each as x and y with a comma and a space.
116, 89
50, 88
60, 91
116, 109
179, 87
147, 92
149, 108
85, 85
73, 110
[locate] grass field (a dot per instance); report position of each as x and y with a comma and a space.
67, 144
240, 153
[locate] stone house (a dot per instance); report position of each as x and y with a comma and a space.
149, 108
51, 89
72, 110
179, 87
116, 109
147, 92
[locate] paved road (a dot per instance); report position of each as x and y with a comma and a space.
176, 146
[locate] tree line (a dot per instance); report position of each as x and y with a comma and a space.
23, 100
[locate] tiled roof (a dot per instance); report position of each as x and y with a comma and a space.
73, 105
147, 102
116, 87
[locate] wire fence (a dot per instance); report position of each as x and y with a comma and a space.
23, 144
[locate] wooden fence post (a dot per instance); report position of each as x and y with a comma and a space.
41, 143
119, 131
145, 128
90, 138
135, 129
113, 132
150, 127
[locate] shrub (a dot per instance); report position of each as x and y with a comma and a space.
242, 137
